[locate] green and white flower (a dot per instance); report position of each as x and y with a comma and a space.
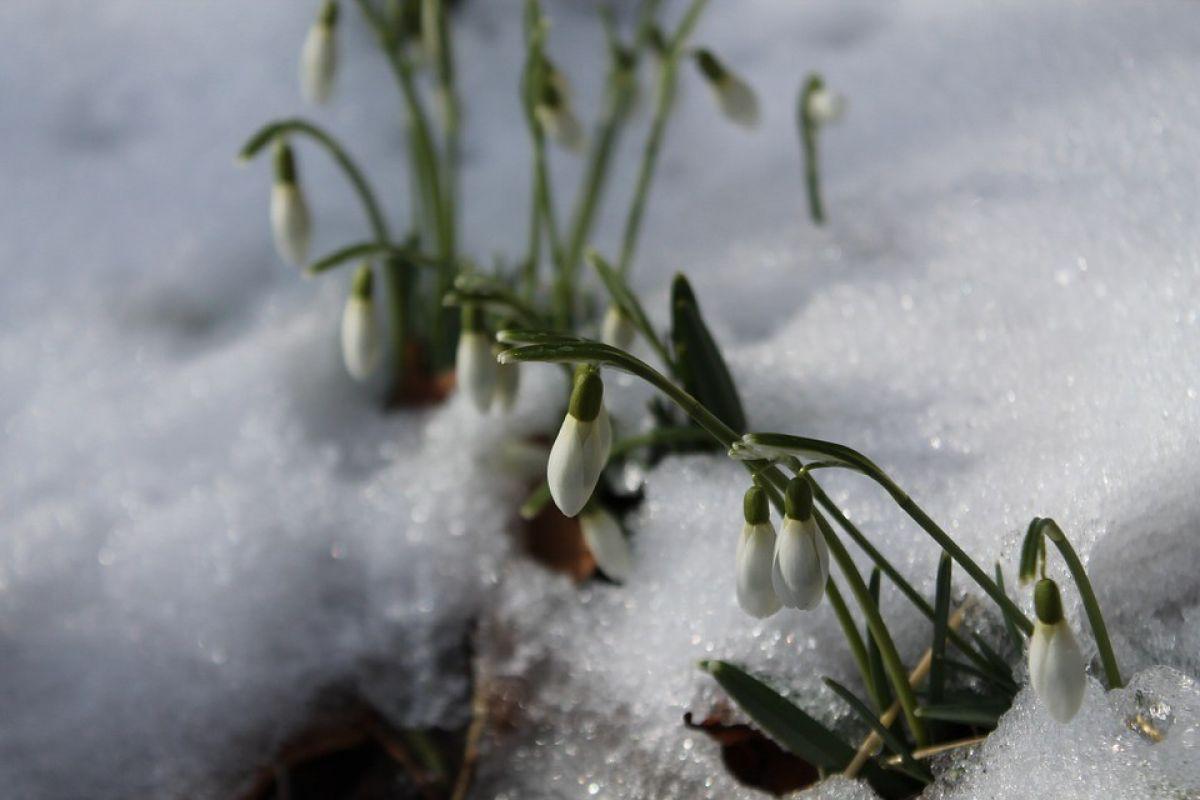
291, 224
755, 557
801, 566
318, 58
581, 448
1056, 667
360, 330
607, 543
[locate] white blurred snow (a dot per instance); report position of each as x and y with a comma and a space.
205, 523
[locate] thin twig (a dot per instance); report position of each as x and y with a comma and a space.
937, 749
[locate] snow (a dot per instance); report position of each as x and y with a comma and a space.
206, 524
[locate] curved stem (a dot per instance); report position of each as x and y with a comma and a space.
358, 181
1090, 604
860, 463
808, 139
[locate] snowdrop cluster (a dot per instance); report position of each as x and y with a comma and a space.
789, 570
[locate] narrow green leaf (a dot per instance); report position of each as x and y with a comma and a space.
1009, 622
982, 714
941, 618
1030, 549
781, 719
910, 765
700, 366
881, 688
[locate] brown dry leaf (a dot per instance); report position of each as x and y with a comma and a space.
755, 760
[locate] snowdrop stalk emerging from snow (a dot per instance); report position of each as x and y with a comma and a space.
816, 106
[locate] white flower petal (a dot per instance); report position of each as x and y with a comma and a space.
617, 330
801, 564
825, 106
576, 460
1056, 669
475, 367
318, 63
755, 560
360, 338
738, 101
290, 222
607, 543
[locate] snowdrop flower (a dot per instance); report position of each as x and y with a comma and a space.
824, 106
755, 557
508, 380
475, 364
736, 99
581, 449
318, 59
360, 331
617, 330
605, 539
290, 222
801, 566
1056, 667
554, 113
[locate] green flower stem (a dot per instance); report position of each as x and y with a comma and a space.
892, 664
858, 648
808, 140
893, 574
568, 350
667, 80
533, 253
860, 463
268, 133
1090, 604
621, 87
427, 168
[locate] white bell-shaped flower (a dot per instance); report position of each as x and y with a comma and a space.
360, 330
318, 58
734, 96
475, 363
617, 330
581, 448
801, 565
755, 557
824, 106
555, 115
291, 224
1056, 666
508, 380
607, 543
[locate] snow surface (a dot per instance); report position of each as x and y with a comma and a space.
206, 525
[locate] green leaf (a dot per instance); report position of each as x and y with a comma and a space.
880, 686
698, 360
1031, 548
1009, 622
910, 766
536, 501
941, 617
359, 250
781, 719
984, 713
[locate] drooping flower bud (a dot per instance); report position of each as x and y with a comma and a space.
755, 556
360, 330
607, 543
554, 113
617, 330
824, 106
318, 59
581, 448
735, 97
801, 566
475, 365
1056, 667
290, 221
